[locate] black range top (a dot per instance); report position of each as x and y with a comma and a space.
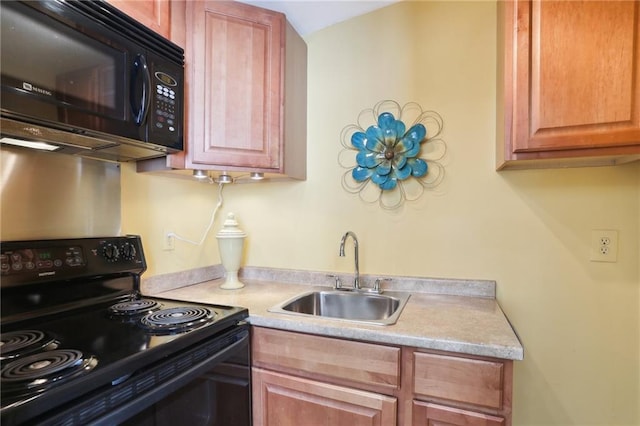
75, 324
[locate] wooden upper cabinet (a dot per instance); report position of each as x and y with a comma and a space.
568, 82
155, 14
237, 68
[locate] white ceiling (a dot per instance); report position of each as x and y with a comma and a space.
308, 16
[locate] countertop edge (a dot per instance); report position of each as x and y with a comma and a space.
384, 336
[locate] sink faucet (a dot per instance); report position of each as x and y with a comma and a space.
356, 281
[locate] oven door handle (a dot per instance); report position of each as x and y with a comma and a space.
145, 400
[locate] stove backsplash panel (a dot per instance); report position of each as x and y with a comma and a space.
47, 195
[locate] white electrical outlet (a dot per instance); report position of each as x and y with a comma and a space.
604, 245
168, 240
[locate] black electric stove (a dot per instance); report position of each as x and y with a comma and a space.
81, 345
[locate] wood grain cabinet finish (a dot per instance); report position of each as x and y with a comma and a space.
315, 380
471, 381
426, 414
285, 400
568, 83
455, 389
345, 361
246, 85
154, 14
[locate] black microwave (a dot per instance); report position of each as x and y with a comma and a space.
84, 75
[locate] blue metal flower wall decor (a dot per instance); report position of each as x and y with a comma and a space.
392, 164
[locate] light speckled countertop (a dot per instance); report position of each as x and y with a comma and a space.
449, 315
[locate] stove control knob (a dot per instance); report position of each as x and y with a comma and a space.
110, 252
128, 251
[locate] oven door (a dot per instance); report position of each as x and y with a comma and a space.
209, 384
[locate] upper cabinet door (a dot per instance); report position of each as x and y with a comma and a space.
155, 14
236, 70
571, 76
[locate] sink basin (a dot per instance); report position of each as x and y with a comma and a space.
372, 308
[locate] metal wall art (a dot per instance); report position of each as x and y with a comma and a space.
386, 162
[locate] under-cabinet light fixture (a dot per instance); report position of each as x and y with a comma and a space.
256, 176
200, 174
224, 178
42, 146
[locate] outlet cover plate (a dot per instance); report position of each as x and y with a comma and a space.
604, 245
168, 240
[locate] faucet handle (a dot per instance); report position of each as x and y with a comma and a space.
338, 283
376, 286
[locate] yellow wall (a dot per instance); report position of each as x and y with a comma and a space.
528, 230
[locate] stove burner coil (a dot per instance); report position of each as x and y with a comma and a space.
42, 371
134, 307
177, 319
23, 342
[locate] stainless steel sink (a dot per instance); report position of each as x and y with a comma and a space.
358, 306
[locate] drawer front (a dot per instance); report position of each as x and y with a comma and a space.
471, 381
439, 415
358, 362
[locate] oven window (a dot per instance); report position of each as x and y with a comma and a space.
220, 397
59, 65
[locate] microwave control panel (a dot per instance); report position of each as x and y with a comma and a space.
165, 101
165, 115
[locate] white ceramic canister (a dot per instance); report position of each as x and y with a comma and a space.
230, 242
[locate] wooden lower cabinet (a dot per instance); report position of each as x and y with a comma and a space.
426, 414
454, 389
310, 380
285, 400
463, 380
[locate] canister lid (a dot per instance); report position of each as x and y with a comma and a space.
230, 228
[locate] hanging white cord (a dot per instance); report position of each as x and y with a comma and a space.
213, 217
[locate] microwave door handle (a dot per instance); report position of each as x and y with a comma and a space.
140, 65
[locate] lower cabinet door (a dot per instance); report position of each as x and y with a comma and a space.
284, 400
426, 414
